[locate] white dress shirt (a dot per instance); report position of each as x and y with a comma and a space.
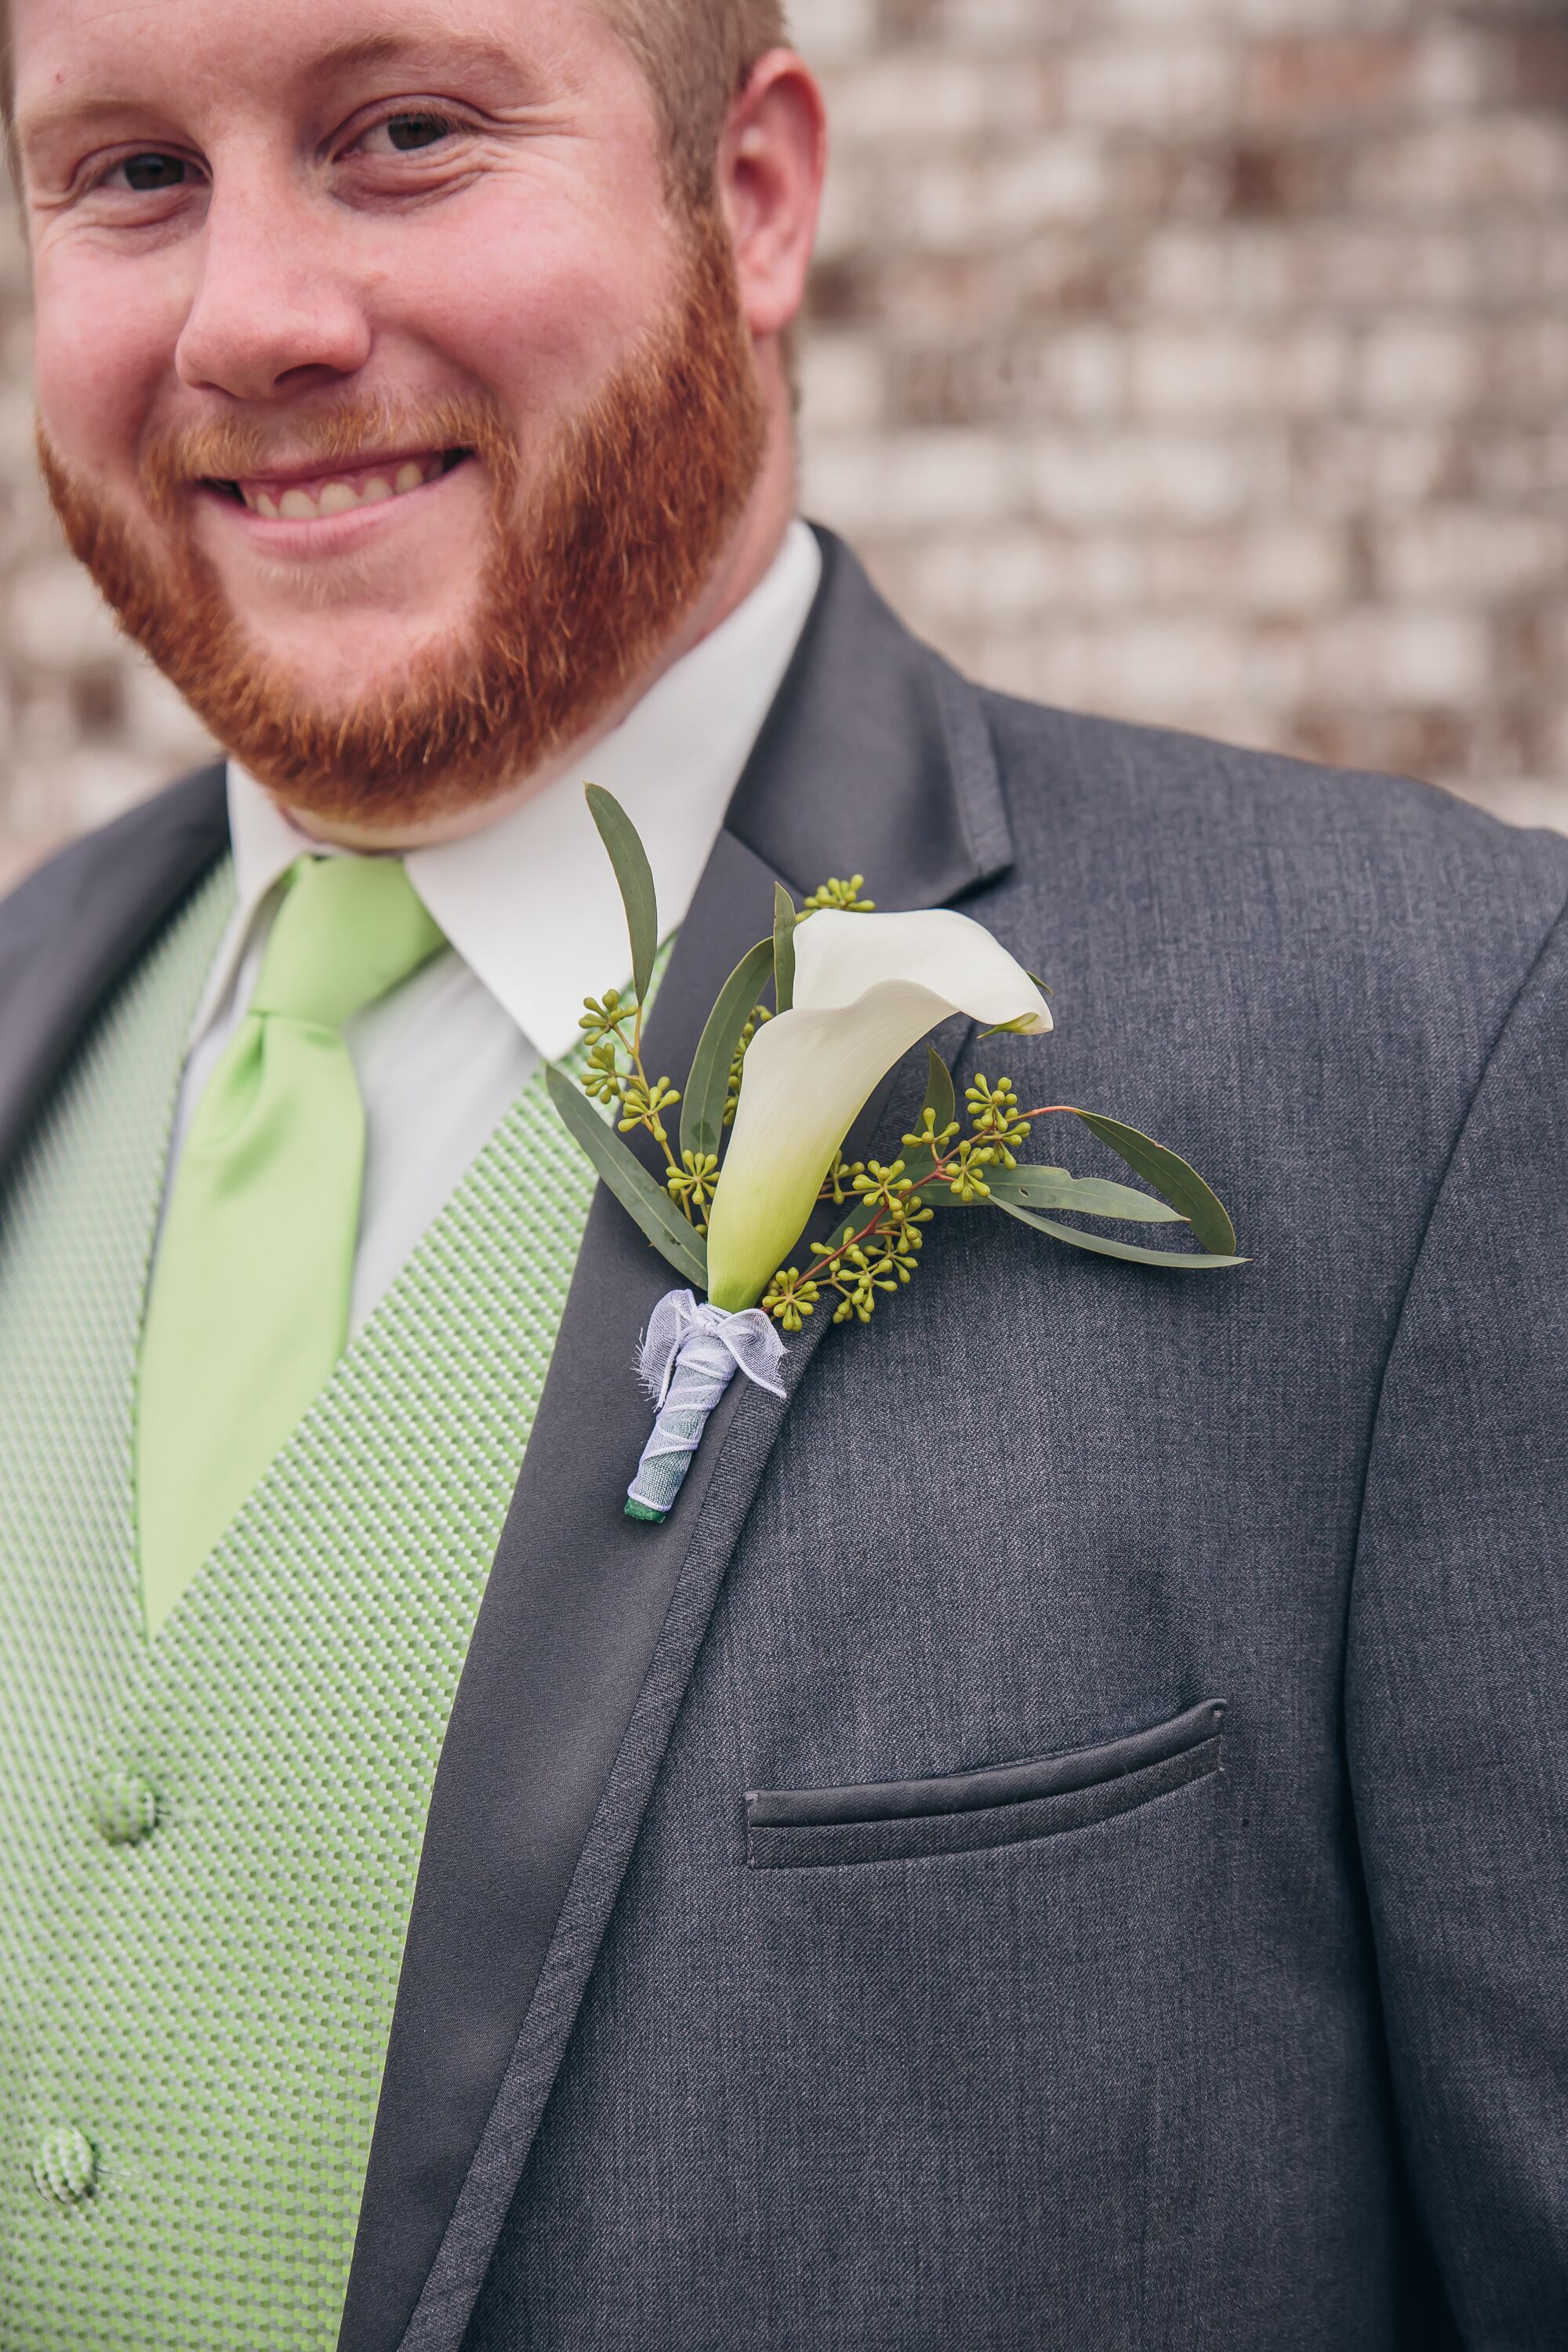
532, 914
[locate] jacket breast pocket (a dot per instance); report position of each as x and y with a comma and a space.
1004, 1804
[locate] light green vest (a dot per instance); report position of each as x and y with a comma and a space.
209, 1847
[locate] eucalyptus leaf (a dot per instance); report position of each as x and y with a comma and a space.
1170, 1175
1177, 1260
1035, 1187
784, 921
1089, 1196
940, 1099
647, 1204
702, 1103
635, 876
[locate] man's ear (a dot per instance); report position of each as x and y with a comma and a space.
771, 159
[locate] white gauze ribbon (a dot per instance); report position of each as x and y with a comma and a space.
690, 1354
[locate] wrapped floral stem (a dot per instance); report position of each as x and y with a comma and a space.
691, 1355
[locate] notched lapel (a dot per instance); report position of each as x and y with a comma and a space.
876, 759
69, 932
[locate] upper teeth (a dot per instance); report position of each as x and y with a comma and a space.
306, 503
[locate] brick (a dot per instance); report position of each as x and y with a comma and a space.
1531, 63
843, 385
828, 31
1298, 565
55, 619
844, 203
1263, 267
1094, 478
1404, 654
1170, 667
1526, 362
1078, 372
1174, 85
1497, 159
1329, 77
163, 727
963, 202
921, 97
16, 439
1212, 371
1001, 578
1239, 178
1188, 269
1009, 25
1505, 462
1313, 16
1556, 749
1341, 466
1457, 69
914, 480
94, 783
1471, 554
1420, 367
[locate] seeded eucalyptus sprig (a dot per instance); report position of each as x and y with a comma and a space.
878, 1249
946, 1163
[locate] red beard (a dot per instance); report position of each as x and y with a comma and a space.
577, 600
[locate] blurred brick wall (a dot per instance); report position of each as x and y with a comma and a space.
1205, 360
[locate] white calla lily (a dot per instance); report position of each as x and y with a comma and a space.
867, 987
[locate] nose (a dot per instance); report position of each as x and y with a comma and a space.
275, 309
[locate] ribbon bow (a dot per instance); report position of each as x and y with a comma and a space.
690, 1353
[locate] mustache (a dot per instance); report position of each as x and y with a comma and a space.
347, 433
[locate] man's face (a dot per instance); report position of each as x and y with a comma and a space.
348, 312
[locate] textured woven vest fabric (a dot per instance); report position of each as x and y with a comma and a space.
211, 1844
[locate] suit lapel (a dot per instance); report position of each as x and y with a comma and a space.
72, 928
876, 759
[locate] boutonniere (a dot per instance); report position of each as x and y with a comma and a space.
773, 1092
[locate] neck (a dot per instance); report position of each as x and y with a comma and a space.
745, 563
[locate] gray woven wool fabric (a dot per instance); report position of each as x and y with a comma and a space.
212, 1845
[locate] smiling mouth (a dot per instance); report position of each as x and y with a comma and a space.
310, 498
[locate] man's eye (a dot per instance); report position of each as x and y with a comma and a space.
142, 173
406, 133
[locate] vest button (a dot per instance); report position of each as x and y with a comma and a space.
124, 1808
65, 2165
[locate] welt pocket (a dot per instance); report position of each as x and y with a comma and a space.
1004, 1804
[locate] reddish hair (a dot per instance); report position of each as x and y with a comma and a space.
696, 56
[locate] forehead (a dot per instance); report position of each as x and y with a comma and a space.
76, 54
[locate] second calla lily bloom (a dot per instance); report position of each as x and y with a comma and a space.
867, 987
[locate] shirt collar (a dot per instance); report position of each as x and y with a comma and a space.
529, 902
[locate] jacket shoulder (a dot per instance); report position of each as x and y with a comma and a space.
1343, 851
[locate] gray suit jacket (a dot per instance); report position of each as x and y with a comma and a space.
1062, 1839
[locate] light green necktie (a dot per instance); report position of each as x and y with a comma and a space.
249, 1304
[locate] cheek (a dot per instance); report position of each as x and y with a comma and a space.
102, 348
538, 318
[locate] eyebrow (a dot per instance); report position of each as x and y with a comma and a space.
391, 48
344, 59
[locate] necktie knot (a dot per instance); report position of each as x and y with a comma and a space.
349, 930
